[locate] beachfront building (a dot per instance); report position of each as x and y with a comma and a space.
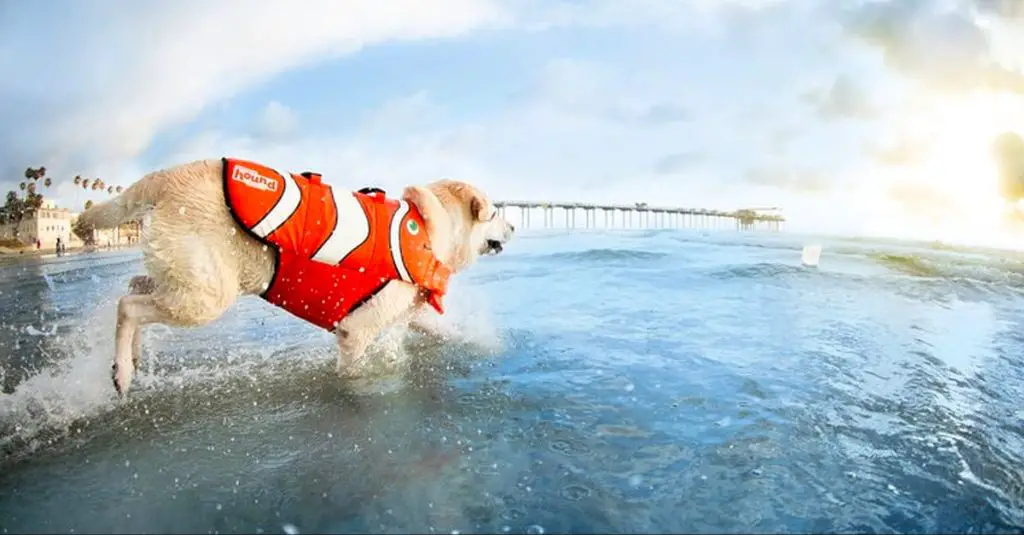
51, 222
46, 225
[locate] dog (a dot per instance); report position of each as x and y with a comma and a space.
221, 229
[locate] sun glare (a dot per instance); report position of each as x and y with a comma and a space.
950, 191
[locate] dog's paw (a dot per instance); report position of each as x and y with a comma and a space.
122, 378
348, 367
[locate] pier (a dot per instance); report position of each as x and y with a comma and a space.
640, 215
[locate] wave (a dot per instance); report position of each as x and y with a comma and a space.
759, 270
908, 264
604, 255
962, 268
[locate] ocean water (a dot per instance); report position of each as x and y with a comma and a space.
630, 381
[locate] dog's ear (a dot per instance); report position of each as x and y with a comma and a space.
478, 208
477, 203
435, 217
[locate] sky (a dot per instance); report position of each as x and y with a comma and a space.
870, 117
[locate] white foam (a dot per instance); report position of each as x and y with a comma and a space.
468, 317
32, 331
70, 390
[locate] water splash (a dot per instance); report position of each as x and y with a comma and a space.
32, 331
51, 401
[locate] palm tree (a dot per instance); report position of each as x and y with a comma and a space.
35, 174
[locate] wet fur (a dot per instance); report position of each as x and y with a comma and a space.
199, 261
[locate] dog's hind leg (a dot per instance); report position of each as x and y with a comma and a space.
139, 285
133, 311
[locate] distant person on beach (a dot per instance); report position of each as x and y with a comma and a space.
60, 245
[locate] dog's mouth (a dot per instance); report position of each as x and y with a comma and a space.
493, 247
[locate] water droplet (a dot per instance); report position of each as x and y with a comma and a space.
535, 529
290, 529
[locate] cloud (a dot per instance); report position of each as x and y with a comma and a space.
662, 113
804, 180
844, 98
779, 140
904, 152
919, 200
676, 162
94, 99
277, 122
1008, 150
941, 44
1011, 9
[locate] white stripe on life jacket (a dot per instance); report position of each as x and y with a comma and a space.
395, 232
285, 207
350, 232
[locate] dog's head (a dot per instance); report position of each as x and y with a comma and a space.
461, 221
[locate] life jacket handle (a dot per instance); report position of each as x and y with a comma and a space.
313, 177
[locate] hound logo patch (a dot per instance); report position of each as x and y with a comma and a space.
253, 179
413, 227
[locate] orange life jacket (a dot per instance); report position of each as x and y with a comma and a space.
334, 251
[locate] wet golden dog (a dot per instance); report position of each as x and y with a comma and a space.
199, 261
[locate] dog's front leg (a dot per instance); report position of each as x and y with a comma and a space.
361, 327
133, 311
139, 285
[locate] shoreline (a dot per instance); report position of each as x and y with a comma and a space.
10, 256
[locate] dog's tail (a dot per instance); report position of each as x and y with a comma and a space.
128, 206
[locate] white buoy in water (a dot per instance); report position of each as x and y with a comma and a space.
810, 255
